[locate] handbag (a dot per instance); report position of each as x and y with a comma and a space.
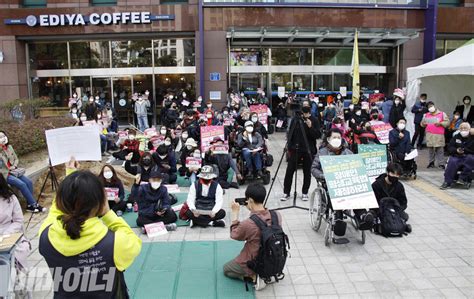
17, 172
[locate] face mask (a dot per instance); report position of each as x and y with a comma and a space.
99, 116
392, 179
74, 95
226, 112
4, 140
358, 113
401, 126
162, 157
338, 125
338, 97
331, 106
335, 143
254, 119
185, 136
199, 99
96, 98
155, 185
432, 109
422, 100
242, 94
147, 92
209, 115
163, 132
131, 137
467, 102
397, 102
209, 105
91, 100
464, 133
83, 118
147, 162
184, 95
108, 175
197, 155
167, 143
456, 116
351, 107
249, 129
74, 110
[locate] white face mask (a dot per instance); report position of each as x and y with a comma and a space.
91, 100
209, 105
464, 133
249, 129
397, 102
199, 99
108, 175
432, 109
184, 94
351, 107
358, 113
456, 117
209, 116
335, 143
74, 110
162, 157
197, 155
226, 112
131, 137
467, 102
155, 185
401, 126
242, 94
167, 143
4, 140
97, 98
147, 92
163, 132
99, 116
184, 136
83, 118
339, 97
74, 95
254, 119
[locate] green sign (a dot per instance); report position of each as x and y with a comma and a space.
348, 184
375, 158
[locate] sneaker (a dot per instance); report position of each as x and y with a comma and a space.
191, 223
40, 208
171, 227
260, 174
219, 223
143, 230
119, 213
259, 284
32, 209
408, 228
285, 197
445, 186
441, 167
431, 165
304, 197
234, 185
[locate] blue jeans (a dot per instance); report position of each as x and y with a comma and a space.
142, 122
25, 185
253, 160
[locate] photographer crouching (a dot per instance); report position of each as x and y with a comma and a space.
301, 145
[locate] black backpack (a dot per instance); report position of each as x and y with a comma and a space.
391, 222
273, 251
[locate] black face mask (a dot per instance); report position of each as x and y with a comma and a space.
146, 162
392, 179
374, 117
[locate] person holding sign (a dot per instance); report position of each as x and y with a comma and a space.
252, 144
165, 160
224, 162
113, 189
400, 143
435, 122
258, 126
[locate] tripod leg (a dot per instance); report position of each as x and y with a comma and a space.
274, 176
44, 185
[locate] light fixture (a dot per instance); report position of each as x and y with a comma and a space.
2, 57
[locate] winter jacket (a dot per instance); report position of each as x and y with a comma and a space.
8, 159
141, 107
419, 109
243, 142
460, 142
149, 200
396, 113
312, 134
386, 108
395, 190
400, 146
316, 168
138, 169
170, 160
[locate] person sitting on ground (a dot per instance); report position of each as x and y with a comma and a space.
80, 224
154, 204
224, 162
130, 145
400, 141
111, 182
144, 167
205, 200
461, 151
165, 160
333, 145
187, 151
15, 175
251, 144
248, 231
191, 172
389, 185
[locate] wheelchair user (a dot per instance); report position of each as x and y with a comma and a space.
333, 145
400, 143
251, 144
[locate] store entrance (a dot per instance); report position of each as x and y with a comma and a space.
122, 93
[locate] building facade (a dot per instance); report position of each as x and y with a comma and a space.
114, 48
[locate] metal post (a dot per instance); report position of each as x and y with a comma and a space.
28, 75
153, 80
69, 68
201, 49
397, 81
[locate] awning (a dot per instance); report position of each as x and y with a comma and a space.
321, 37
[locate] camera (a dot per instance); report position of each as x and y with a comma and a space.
241, 201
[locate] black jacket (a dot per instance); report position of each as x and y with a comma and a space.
396, 113
459, 142
382, 189
470, 115
297, 139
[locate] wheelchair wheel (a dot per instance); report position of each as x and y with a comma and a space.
315, 209
266, 178
327, 235
362, 241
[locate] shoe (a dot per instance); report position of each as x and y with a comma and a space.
40, 208
408, 228
234, 185
304, 197
431, 165
191, 223
368, 218
32, 209
464, 184
445, 186
442, 167
143, 230
171, 227
260, 174
285, 197
218, 223
259, 284
119, 213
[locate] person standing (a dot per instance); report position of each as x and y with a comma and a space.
386, 107
466, 111
141, 110
435, 122
396, 113
419, 109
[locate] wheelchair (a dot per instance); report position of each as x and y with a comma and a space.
267, 161
320, 209
409, 167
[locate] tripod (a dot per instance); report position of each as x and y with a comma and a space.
297, 122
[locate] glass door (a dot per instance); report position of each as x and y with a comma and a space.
302, 82
102, 87
122, 94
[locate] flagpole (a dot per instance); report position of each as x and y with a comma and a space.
355, 70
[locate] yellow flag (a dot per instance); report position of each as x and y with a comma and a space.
355, 71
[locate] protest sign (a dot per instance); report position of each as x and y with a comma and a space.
111, 193
348, 185
281, 91
150, 132
82, 143
185, 103
365, 105
382, 130
229, 121
220, 149
192, 162
155, 229
375, 159
279, 123
174, 188
262, 111
157, 140
208, 133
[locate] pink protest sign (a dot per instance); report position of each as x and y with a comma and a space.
208, 133
111, 193
262, 111
382, 130
192, 162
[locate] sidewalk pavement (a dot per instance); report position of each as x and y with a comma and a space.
434, 261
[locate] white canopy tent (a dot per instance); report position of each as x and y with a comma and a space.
445, 80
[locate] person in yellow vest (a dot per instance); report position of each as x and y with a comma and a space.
435, 122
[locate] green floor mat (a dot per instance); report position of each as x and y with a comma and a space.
131, 218
185, 270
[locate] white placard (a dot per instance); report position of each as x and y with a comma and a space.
215, 95
82, 143
412, 155
281, 91
343, 91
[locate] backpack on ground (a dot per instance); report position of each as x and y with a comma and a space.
273, 251
391, 222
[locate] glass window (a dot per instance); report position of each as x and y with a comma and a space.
34, 3
381, 57
324, 56
85, 55
251, 82
103, 2
174, 83
342, 80
449, 3
369, 82
173, 1
439, 47
322, 83
452, 45
48, 56
174, 52
252, 57
302, 82
131, 53
281, 79
81, 86
291, 56
55, 88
